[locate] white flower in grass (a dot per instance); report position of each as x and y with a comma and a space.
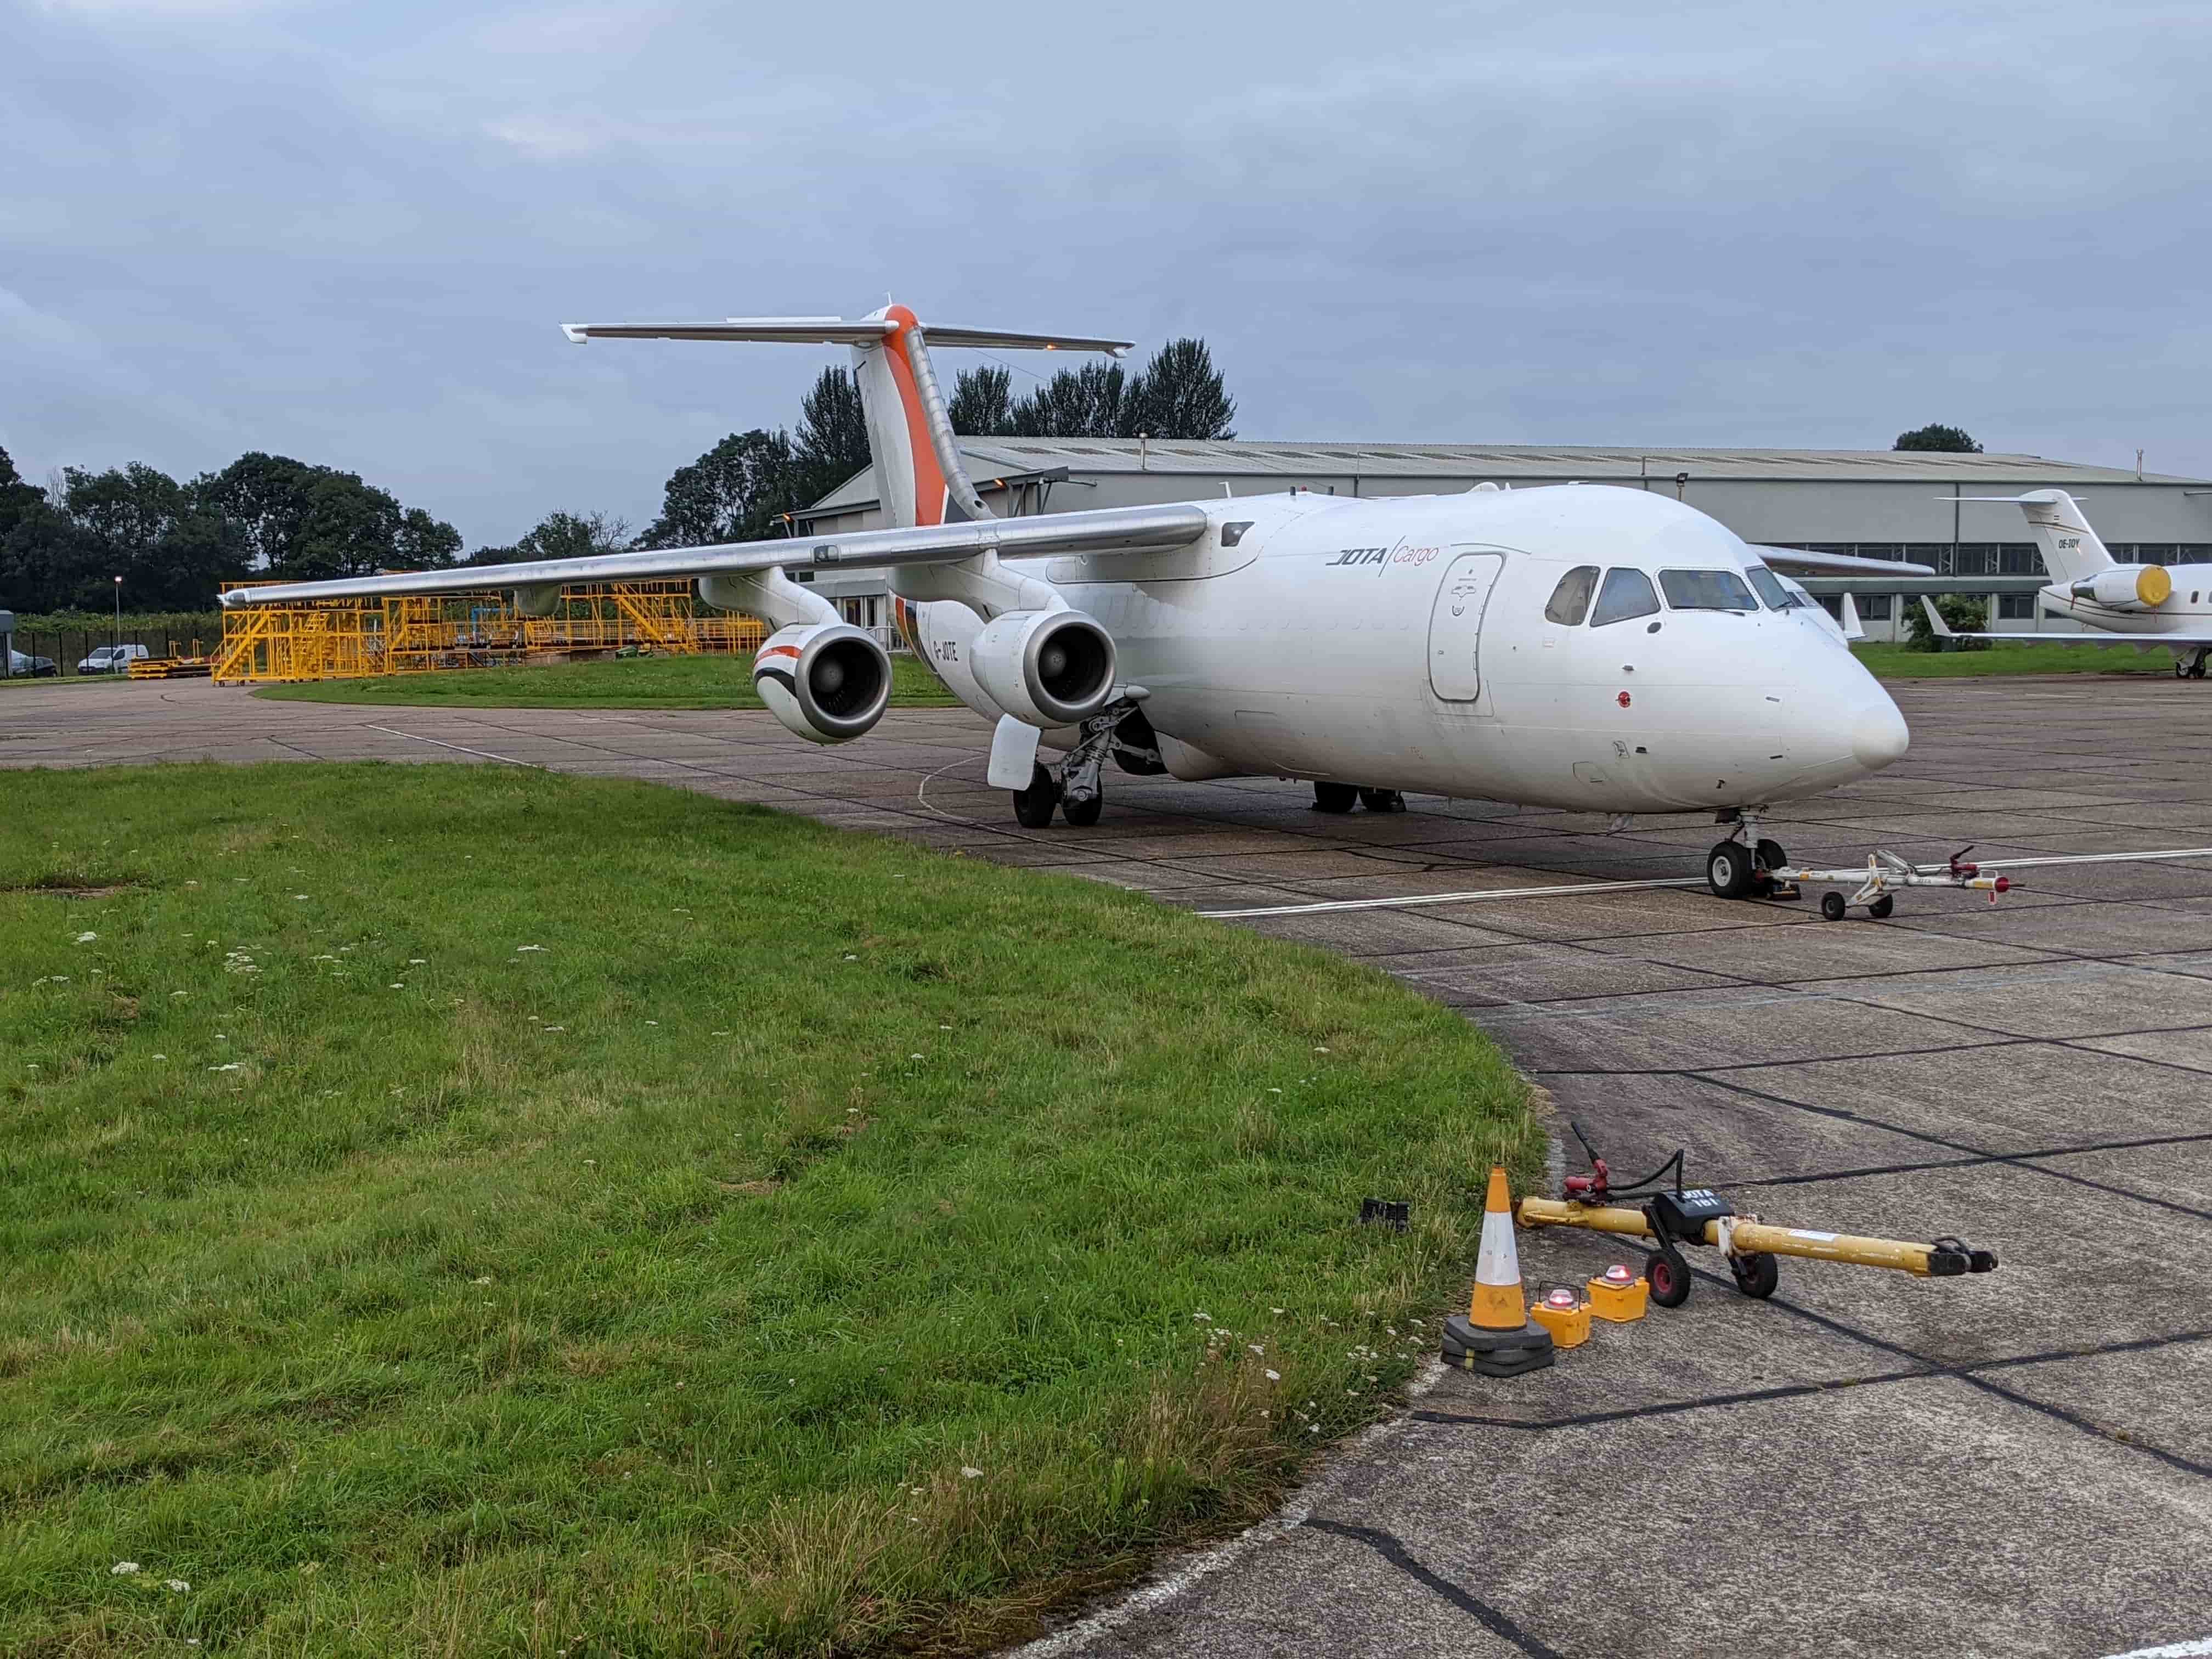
1256, 1347
176, 1586
418, 961
852, 959
86, 939
520, 948
397, 985
1202, 1313
160, 1056
1274, 1376
913, 1056
123, 1568
486, 1280
967, 1473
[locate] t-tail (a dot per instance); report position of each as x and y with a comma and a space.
2071, 550
919, 475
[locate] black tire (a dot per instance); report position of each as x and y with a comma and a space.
1669, 1280
1082, 814
1335, 797
1770, 855
1831, 906
1382, 801
1033, 805
1728, 869
1880, 907
1756, 1276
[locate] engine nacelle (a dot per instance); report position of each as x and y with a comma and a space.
1045, 667
2130, 587
828, 682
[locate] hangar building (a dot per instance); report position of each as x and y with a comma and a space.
1875, 503
1880, 503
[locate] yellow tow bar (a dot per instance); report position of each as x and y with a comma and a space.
1749, 1244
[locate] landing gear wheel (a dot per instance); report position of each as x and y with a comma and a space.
1880, 907
1335, 797
1770, 855
1728, 868
1668, 1276
1033, 805
1082, 814
1831, 907
1756, 1275
1382, 801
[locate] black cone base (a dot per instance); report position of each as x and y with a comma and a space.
1495, 1353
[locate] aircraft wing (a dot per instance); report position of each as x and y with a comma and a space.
1837, 564
834, 331
1102, 530
2101, 637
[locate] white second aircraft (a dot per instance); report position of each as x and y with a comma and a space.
2139, 602
1594, 648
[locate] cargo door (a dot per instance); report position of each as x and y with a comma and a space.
1456, 625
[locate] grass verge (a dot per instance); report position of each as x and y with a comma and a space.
435, 1222
711, 682
1895, 662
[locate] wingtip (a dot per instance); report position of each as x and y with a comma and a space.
575, 333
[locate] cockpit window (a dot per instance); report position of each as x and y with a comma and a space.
1570, 598
1770, 588
1705, 590
1627, 593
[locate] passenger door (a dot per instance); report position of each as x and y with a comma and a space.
1456, 625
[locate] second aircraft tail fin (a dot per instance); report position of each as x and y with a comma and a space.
2071, 549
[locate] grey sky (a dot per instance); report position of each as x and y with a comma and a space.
346, 233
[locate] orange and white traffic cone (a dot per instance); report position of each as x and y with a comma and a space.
1496, 1338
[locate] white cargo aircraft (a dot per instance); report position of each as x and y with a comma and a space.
2136, 601
1594, 649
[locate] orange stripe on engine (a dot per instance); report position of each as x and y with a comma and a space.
780, 651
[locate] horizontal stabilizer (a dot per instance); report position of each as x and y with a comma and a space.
832, 330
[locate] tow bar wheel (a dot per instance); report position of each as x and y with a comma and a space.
1756, 1275
1669, 1278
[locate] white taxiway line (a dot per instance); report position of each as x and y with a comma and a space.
1461, 898
1679, 881
481, 753
2196, 1649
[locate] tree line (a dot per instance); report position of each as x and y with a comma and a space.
269, 517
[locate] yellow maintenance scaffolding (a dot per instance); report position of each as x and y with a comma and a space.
352, 639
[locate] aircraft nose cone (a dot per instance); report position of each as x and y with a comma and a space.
1879, 736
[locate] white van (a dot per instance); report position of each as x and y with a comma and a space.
112, 659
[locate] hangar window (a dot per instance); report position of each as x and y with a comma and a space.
1627, 593
1769, 587
1570, 600
1874, 608
1705, 590
2015, 607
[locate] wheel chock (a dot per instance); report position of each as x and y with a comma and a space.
1564, 1314
1619, 1295
1495, 1336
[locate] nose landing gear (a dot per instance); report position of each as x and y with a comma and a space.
1735, 869
1343, 797
2191, 667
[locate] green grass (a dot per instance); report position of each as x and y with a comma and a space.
23, 680
1894, 662
466, 1210
710, 682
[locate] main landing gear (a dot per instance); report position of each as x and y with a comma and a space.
2191, 667
1343, 797
1739, 867
1074, 787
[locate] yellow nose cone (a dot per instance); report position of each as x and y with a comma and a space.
2154, 585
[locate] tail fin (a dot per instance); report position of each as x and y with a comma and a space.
919, 476
2071, 550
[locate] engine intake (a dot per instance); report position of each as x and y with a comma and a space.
827, 682
1046, 667
2130, 587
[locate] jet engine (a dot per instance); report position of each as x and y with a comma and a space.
2130, 587
1045, 667
828, 682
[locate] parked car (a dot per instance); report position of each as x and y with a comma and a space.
112, 659
37, 668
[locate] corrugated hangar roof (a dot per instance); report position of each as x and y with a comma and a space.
1237, 457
